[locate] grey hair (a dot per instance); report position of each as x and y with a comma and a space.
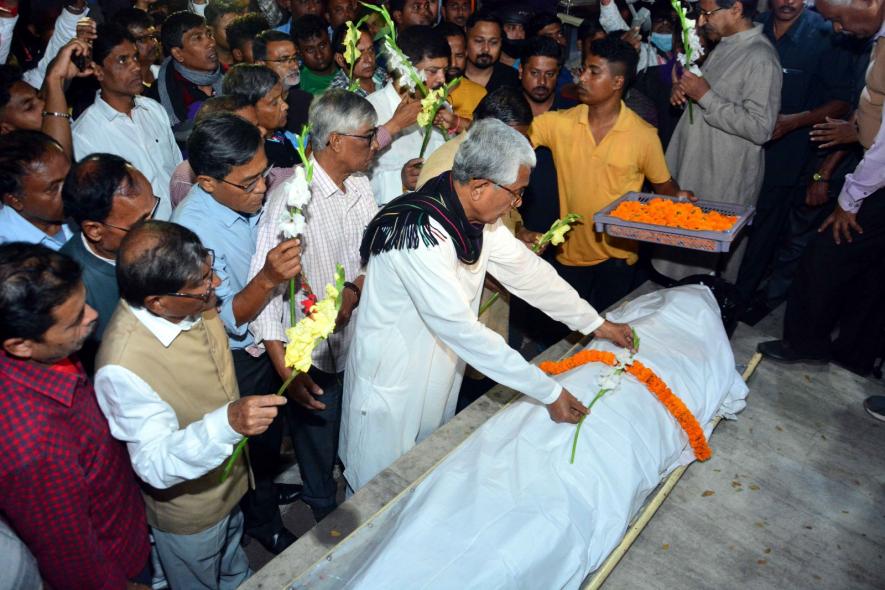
338, 111
493, 150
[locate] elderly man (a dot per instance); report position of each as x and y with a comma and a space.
105, 196
427, 254
839, 281
717, 148
167, 387
398, 165
341, 205
367, 75
277, 51
68, 489
223, 209
123, 122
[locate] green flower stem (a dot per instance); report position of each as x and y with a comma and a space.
242, 444
581, 421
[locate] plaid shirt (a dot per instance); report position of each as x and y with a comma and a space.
66, 486
335, 224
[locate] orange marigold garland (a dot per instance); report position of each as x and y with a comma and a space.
652, 382
674, 214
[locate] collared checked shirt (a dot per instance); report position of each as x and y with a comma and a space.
67, 488
341, 80
232, 236
336, 221
144, 139
15, 228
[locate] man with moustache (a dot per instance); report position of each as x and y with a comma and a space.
538, 74
190, 73
467, 95
817, 85
717, 150
124, 123
457, 12
277, 51
343, 137
339, 12
368, 75
167, 387
68, 488
223, 208
484, 35
605, 141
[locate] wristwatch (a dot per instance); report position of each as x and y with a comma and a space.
818, 177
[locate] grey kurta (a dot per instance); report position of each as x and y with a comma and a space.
719, 156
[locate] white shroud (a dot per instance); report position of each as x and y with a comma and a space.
507, 510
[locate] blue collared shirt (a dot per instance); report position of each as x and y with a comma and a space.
15, 228
232, 236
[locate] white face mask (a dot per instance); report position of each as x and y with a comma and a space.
198, 8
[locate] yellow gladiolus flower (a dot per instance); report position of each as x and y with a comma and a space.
351, 39
558, 235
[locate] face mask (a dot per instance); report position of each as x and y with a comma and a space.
513, 47
198, 8
663, 41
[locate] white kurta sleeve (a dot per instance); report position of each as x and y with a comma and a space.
65, 30
162, 453
428, 276
529, 277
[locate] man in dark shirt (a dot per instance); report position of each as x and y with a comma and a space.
105, 196
68, 488
484, 33
817, 84
277, 51
538, 74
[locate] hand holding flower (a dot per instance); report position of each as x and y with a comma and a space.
252, 415
619, 334
694, 87
567, 409
304, 391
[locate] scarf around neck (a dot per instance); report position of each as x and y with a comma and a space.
170, 94
404, 223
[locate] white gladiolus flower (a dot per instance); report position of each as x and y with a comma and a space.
624, 357
291, 224
298, 190
610, 380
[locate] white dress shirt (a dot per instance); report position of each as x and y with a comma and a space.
163, 454
144, 139
335, 222
387, 184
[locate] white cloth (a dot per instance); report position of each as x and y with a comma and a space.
335, 222
144, 139
7, 26
507, 510
610, 20
387, 183
65, 30
163, 454
417, 317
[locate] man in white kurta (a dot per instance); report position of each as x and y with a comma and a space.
418, 323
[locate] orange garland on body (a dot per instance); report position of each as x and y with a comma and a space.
652, 382
673, 214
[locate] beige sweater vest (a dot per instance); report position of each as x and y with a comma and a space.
194, 375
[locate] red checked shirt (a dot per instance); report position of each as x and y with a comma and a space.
66, 486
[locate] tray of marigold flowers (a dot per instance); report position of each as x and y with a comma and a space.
674, 221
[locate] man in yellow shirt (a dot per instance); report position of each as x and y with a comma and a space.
464, 97
601, 149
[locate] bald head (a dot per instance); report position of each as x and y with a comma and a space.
156, 258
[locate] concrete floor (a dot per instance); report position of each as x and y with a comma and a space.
794, 496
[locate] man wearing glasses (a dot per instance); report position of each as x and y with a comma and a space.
105, 196
427, 254
224, 208
166, 384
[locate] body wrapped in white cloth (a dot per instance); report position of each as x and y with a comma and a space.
507, 510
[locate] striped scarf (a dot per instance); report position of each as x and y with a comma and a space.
404, 223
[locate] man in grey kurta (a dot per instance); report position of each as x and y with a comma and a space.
718, 154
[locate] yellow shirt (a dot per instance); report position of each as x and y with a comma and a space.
465, 97
591, 176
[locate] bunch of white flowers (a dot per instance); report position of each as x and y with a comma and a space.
291, 221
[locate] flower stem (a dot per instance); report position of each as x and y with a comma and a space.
581, 421
292, 317
242, 444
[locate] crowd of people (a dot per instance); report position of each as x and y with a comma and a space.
149, 149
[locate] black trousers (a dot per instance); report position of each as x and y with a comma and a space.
772, 215
256, 376
315, 435
842, 285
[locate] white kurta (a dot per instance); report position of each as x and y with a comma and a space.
417, 317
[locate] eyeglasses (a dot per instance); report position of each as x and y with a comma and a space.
515, 196
708, 13
248, 188
369, 137
128, 229
204, 297
286, 59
